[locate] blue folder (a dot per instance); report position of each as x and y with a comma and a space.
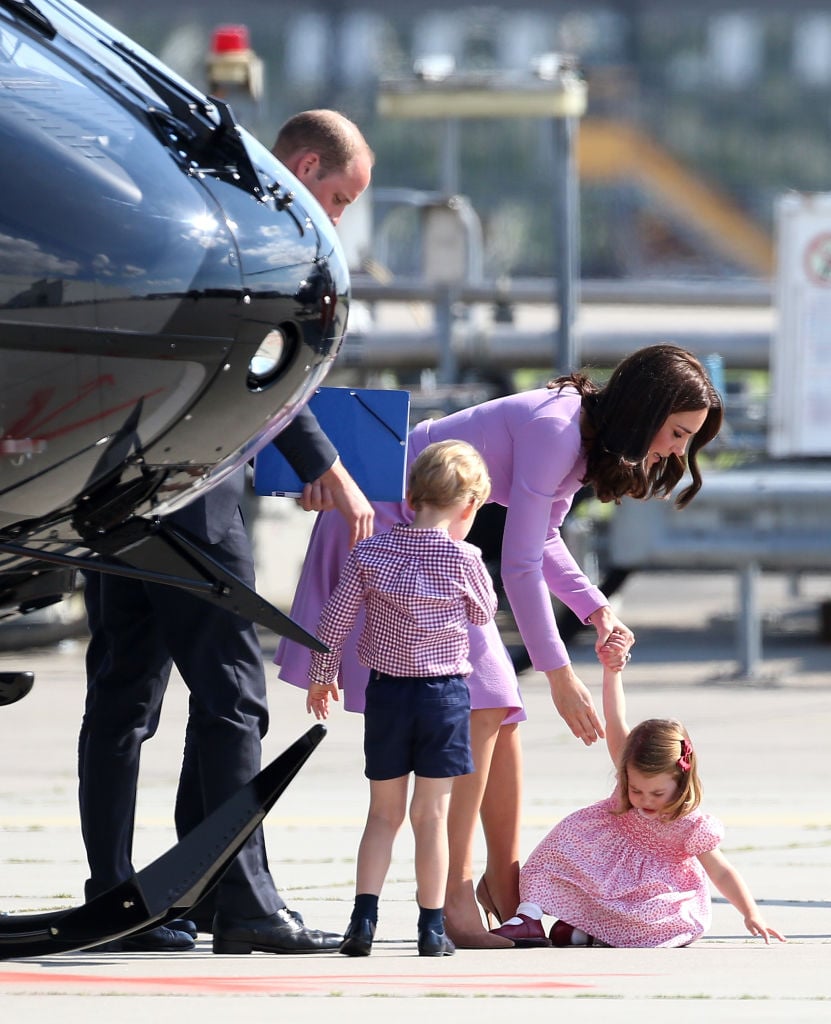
369, 429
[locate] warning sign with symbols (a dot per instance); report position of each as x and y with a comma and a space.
800, 358
818, 260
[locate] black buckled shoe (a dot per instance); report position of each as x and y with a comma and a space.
432, 943
357, 940
162, 939
277, 933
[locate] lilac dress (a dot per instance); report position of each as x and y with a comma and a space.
627, 879
532, 447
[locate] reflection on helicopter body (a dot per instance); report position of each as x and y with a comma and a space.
170, 295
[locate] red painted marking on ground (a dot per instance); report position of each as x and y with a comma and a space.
275, 984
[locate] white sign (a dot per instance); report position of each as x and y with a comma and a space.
800, 358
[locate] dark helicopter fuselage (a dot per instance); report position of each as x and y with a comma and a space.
170, 295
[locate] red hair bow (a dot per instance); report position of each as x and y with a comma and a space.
684, 761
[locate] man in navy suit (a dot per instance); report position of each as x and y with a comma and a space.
139, 630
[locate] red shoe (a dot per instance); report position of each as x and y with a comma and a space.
562, 933
527, 935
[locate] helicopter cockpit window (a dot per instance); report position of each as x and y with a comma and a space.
16, 50
89, 189
83, 30
102, 40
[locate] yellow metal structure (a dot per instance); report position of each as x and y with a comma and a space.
609, 150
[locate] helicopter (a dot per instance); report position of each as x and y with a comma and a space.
170, 298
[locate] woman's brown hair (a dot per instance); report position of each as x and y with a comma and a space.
622, 417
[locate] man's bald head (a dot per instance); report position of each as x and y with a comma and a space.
328, 153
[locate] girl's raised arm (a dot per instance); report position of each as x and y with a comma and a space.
614, 701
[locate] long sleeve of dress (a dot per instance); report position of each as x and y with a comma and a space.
547, 464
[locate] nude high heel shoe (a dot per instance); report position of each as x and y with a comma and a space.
464, 938
464, 925
487, 904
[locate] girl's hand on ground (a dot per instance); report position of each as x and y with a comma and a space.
756, 926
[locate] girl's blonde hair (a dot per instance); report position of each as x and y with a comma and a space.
447, 472
661, 746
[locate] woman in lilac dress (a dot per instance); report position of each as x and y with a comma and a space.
627, 437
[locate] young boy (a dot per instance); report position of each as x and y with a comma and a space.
420, 586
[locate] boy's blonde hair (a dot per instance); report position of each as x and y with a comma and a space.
661, 746
447, 472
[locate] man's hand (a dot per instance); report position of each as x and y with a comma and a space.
336, 489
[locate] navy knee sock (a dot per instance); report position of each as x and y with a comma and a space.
366, 905
431, 919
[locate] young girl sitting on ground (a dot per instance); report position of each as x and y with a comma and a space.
632, 870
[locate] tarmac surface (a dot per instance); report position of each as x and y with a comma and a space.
764, 750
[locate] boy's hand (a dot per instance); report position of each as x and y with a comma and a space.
317, 698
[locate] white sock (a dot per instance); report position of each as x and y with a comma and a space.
527, 910
579, 937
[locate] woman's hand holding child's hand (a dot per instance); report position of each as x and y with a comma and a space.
615, 652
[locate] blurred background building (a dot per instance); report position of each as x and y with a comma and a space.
657, 218
699, 114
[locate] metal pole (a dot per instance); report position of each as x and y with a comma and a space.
450, 157
443, 317
566, 242
748, 622
443, 309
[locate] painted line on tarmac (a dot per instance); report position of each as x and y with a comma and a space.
20, 821
37, 982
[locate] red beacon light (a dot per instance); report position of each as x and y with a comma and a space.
230, 39
232, 64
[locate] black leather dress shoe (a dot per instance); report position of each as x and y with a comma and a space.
432, 943
205, 922
183, 924
277, 933
162, 939
357, 940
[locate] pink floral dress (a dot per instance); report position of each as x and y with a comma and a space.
626, 879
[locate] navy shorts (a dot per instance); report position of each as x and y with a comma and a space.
417, 724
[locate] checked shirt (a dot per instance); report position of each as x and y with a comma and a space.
420, 589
